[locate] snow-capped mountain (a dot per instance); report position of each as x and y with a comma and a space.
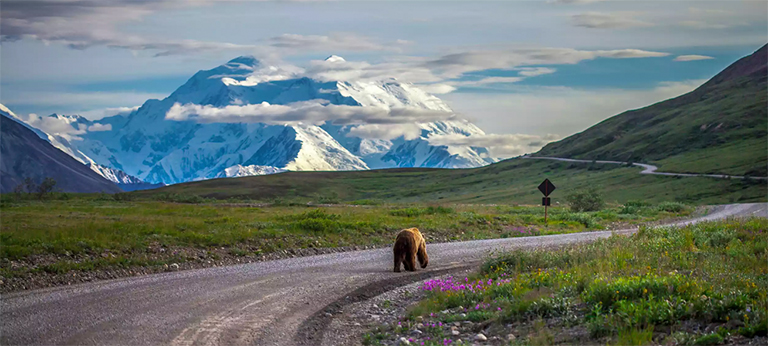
244, 171
148, 145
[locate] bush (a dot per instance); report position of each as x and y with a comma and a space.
585, 200
585, 219
710, 339
415, 212
180, 198
123, 197
672, 207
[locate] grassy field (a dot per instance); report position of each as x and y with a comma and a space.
702, 284
93, 233
508, 182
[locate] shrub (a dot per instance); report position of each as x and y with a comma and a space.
672, 207
585, 219
585, 200
180, 198
415, 212
123, 197
709, 339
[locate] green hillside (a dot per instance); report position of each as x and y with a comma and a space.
508, 182
718, 128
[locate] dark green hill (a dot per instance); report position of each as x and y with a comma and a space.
718, 128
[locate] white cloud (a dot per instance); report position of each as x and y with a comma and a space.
692, 57
535, 71
487, 80
308, 112
334, 42
100, 127
96, 114
453, 65
437, 88
364, 71
376, 131
61, 126
499, 145
83, 24
598, 20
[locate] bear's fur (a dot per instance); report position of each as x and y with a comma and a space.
408, 246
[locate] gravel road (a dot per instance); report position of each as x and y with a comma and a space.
649, 169
283, 302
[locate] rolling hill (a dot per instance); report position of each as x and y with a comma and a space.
718, 128
24, 155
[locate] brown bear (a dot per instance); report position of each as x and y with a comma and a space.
409, 245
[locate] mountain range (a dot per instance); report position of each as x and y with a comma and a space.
25, 155
146, 146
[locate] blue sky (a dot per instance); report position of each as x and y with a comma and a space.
585, 60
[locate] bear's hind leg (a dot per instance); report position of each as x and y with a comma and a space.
398, 261
410, 263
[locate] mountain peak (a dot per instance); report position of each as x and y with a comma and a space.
248, 60
334, 58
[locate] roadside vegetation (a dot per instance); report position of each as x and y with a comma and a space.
78, 238
698, 285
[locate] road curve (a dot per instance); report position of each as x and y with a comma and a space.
263, 303
649, 169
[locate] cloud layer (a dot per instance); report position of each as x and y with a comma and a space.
692, 57
499, 145
307, 112
598, 20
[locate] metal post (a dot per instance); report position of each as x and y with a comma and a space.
545, 214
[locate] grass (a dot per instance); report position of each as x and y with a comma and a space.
508, 182
659, 285
90, 232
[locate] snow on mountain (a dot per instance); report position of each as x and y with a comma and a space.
244, 171
65, 144
146, 145
114, 175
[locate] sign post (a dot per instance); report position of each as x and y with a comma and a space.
546, 187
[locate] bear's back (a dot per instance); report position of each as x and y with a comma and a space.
412, 233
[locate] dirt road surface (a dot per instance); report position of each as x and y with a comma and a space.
284, 302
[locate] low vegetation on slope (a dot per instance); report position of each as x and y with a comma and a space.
59, 242
702, 284
507, 182
721, 127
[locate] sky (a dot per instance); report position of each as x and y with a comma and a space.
544, 69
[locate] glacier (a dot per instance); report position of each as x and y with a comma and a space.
144, 145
